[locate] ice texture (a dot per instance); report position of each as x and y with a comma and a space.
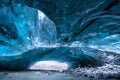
82, 33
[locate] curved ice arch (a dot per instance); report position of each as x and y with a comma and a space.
96, 34
23, 28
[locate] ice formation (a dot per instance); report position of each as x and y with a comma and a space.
82, 33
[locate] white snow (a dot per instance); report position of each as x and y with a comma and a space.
49, 65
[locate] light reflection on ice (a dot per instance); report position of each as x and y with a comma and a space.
49, 65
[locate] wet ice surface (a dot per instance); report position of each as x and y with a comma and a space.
43, 75
37, 75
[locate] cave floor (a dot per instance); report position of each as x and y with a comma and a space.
41, 75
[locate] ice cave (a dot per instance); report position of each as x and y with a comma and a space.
78, 36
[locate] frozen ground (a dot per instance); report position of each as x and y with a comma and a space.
106, 71
45, 75
37, 75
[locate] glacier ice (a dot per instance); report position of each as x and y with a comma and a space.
64, 31
21, 30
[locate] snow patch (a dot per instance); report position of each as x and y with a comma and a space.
49, 65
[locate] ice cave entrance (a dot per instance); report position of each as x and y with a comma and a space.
49, 65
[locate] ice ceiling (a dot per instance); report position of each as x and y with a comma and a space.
78, 32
